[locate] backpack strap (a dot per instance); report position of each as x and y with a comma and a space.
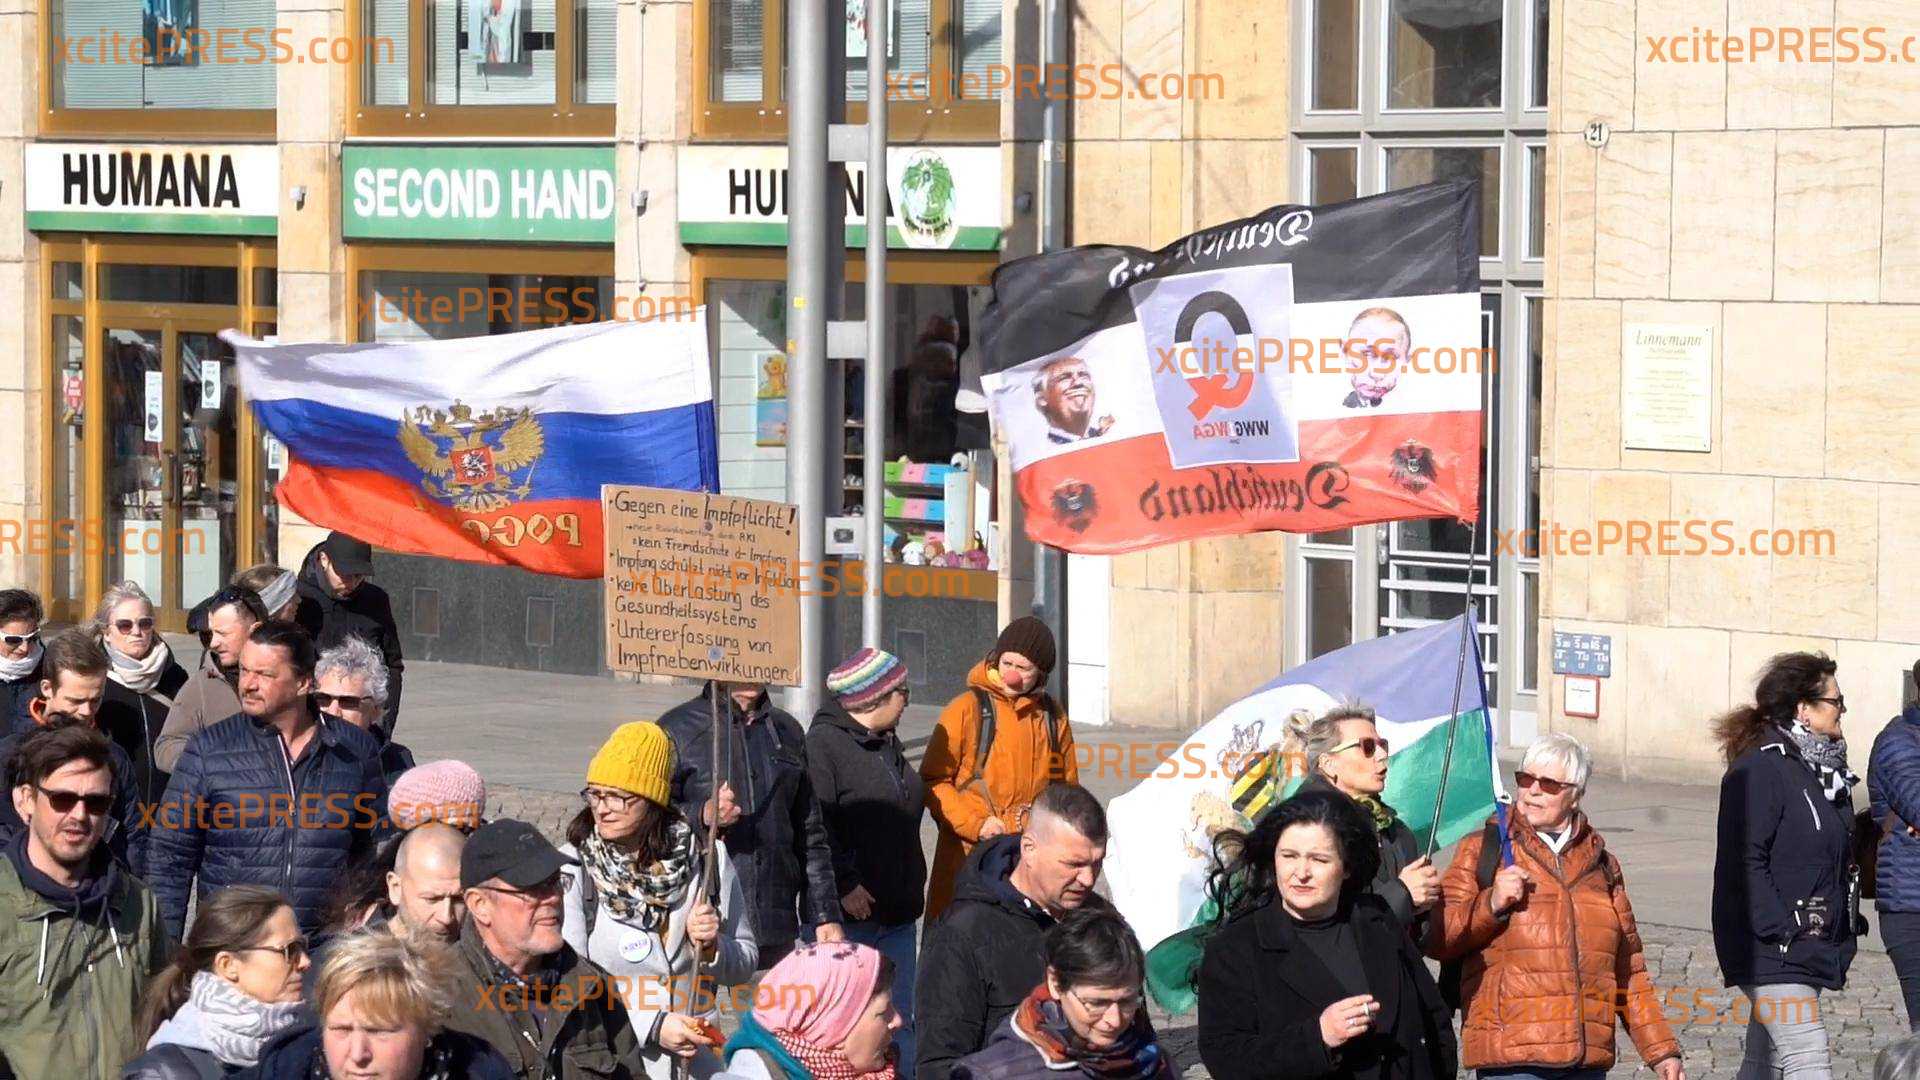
1489, 863
983, 744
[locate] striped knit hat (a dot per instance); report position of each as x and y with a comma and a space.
865, 678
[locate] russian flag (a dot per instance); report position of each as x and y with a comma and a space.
489, 449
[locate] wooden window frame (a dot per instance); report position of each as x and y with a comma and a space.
942, 117
245, 255
419, 118
236, 124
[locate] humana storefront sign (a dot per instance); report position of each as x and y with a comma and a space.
490, 193
162, 189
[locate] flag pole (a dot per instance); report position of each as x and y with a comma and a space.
1488, 389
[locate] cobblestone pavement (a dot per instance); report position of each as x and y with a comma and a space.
1860, 1020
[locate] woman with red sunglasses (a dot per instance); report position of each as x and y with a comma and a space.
1547, 952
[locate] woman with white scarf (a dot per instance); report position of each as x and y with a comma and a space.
141, 684
20, 653
634, 906
236, 984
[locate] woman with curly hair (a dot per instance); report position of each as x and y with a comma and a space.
1305, 973
1785, 888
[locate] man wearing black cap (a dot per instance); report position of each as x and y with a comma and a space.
548, 1010
338, 601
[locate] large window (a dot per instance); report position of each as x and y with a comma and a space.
485, 67
1392, 94
944, 61
165, 67
147, 435
938, 501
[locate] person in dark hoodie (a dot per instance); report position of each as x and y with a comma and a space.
768, 814
873, 801
20, 652
1893, 795
338, 601
79, 936
1785, 896
984, 955
142, 681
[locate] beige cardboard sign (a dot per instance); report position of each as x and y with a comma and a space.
701, 585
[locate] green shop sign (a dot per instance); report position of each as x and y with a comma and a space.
524, 194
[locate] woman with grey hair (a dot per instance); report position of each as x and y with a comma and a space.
1545, 948
1344, 752
350, 685
141, 683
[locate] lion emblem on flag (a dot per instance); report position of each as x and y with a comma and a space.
475, 462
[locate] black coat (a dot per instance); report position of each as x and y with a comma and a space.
779, 846
873, 801
134, 720
978, 960
367, 614
1262, 992
1398, 849
238, 813
172, 1061
14, 696
1780, 841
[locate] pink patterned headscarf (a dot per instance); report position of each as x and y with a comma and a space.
818, 992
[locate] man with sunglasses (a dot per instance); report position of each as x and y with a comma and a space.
73, 683
80, 936
20, 653
545, 1008
350, 684
275, 796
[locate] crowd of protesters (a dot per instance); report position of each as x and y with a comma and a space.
235, 871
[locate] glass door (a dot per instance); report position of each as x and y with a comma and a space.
170, 470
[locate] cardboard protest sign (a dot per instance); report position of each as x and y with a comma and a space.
701, 585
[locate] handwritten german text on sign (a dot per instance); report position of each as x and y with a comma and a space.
701, 585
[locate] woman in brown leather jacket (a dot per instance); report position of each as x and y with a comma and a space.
1548, 949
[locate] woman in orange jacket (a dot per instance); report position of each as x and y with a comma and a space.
977, 796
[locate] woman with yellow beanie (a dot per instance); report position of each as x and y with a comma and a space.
635, 906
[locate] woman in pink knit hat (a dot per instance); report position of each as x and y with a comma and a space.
449, 792
825, 1012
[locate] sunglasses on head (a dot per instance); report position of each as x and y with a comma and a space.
1547, 785
1368, 744
126, 626
63, 802
345, 701
14, 641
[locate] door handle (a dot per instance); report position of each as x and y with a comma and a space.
170, 478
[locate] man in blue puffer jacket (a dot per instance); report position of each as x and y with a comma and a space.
278, 795
1893, 787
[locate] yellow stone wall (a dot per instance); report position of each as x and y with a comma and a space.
1776, 203
1193, 626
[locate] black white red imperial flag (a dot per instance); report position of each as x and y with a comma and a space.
1304, 369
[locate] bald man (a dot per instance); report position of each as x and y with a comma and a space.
424, 885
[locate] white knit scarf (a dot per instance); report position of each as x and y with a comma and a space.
139, 676
15, 670
236, 1024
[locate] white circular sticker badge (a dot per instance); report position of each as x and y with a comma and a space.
635, 945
